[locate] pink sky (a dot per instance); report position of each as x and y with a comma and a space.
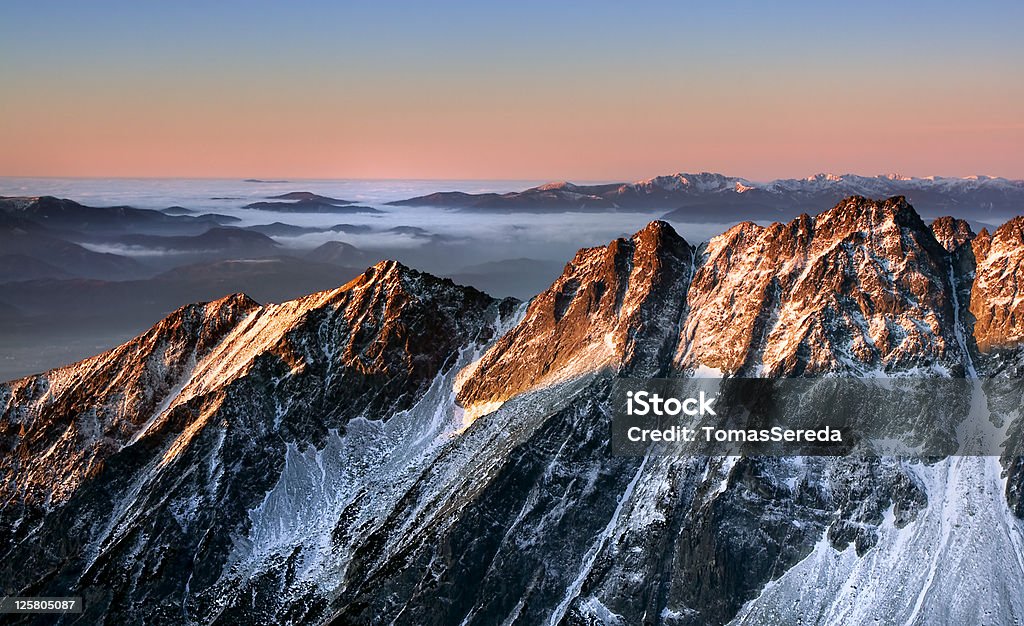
491, 92
504, 135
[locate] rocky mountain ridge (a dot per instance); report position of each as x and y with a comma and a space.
405, 450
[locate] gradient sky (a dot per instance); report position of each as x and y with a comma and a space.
518, 90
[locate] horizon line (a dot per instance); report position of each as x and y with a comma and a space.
274, 180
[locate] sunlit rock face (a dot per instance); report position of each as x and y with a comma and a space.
405, 450
863, 286
615, 307
997, 301
77, 416
153, 453
951, 233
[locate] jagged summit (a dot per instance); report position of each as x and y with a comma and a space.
390, 269
858, 207
1011, 233
600, 313
951, 232
385, 272
657, 232
862, 286
391, 279
997, 292
846, 216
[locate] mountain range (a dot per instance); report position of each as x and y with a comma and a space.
62, 215
403, 449
710, 196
